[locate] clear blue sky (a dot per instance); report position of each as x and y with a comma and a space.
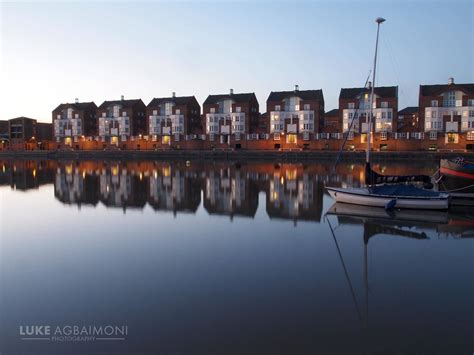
54, 52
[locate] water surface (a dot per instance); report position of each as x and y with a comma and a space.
220, 258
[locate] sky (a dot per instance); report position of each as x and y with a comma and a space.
54, 52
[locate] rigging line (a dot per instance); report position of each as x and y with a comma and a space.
345, 271
394, 64
349, 128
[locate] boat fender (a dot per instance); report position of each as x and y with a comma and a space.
390, 204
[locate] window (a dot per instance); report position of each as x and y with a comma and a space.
389, 115
471, 113
277, 107
306, 107
434, 103
238, 109
178, 112
470, 136
124, 114
155, 112
470, 102
450, 99
384, 104
297, 107
383, 135
433, 114
213, 110
384, 115
433, 135
116, 111
350, 105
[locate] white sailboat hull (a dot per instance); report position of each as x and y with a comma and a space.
362, 196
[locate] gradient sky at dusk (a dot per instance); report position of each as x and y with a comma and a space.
54, 52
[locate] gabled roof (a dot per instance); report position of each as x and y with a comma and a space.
123, 103
334, 112
77, 105
381, 91
410, 110
244, 97
432, 90
302, 94
177, 100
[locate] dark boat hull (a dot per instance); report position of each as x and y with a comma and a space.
451, 168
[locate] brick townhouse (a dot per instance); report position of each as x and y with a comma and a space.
121, 120
447, 109
230, 118
73, 121
354, 107
173, 118
295, 115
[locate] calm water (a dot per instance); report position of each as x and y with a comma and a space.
227, 258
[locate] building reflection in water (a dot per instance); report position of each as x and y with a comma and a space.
293, 191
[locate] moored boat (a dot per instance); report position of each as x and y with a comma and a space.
398, 194
457, 167
386, 196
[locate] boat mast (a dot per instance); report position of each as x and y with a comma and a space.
379, 20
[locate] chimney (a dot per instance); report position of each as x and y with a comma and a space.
76, 100
297, 87
231, 91
369, 84
450, 81
123, 97
173, 94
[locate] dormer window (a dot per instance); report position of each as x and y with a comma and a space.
76, 115
277, 108
449, 99
384, 104
306, 107
213, 110
434, 103
238, 109
351, 105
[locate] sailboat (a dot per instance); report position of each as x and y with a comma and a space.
394, 193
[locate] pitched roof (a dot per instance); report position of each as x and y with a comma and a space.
382, 91
302, 94
408, 110
177, 100
77, 106
22, 118
123, 103
244, 97
432, 90
334, 112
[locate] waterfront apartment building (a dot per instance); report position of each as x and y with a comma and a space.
173, 118
72, 121
121, 120
296, 114
354, 107
230, 118
447, 109
27, 133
